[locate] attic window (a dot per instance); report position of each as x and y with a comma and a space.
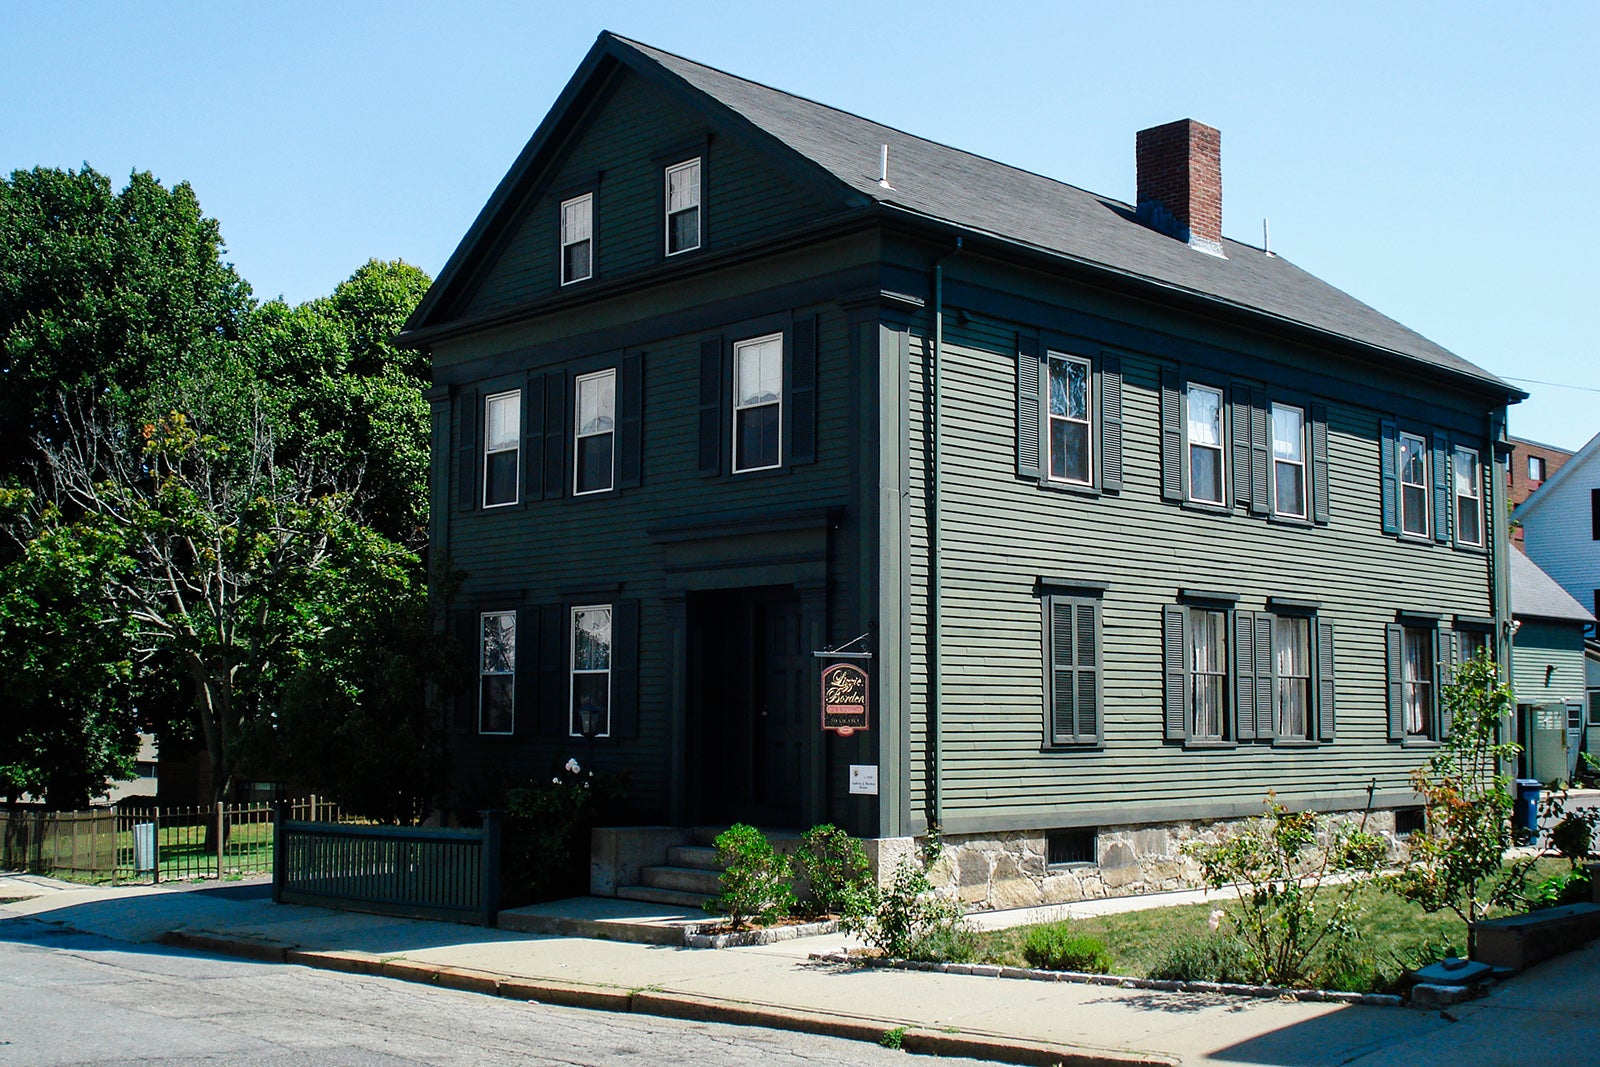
683, 207
577, 239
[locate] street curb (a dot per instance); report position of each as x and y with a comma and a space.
669, 1005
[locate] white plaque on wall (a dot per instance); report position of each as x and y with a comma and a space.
864, 778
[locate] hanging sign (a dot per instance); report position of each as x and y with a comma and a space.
844, 698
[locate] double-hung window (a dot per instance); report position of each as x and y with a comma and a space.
683, 207
1071, 437
1470, 643
591, 671
502, 435
1291, 677
1417, 681
1413, 485
577, 239
757, 403
1208, 662
497, 667
594, 432
1204, 425
1288, 461
1469, 498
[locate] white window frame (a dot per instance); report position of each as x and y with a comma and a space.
1225, 721
1220, 448
1420, 694
699, 216
733, 444
1476, 495
587, 200
1536, 462
1305, 471
514, 396
1306, 626
1087, 421
510, 672
578, 436
1425, 485
573, 671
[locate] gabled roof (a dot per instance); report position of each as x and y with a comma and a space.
1569, 469
1535, 595
934, 182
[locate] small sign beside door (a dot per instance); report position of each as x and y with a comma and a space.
864, 779
844, 698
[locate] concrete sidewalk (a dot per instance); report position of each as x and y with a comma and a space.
1551, 1014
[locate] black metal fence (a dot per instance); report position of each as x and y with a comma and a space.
151, 844
415, 872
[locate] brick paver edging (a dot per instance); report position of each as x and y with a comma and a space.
990, 970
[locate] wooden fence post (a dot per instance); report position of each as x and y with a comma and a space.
220, 820
280, 859
489, 867
155, 849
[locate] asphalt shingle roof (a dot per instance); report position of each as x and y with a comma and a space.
982, 195
1535, 595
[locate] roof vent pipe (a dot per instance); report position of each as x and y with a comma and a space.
883, 167
1266, 236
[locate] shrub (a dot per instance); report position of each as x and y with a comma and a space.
547, 831
1572, 836
1559, 890
834, 864
907, 918
1054, 947
1277, 869
756, 881
1218, 958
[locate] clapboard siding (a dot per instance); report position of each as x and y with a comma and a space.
615, 156
1000, 533
1547, 661
530, 554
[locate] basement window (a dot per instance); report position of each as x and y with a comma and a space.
1067, 847
1408, 821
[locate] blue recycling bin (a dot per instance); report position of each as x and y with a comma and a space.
1525, 808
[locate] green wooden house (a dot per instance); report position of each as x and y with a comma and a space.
1136, 522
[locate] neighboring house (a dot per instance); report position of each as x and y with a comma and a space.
1139, 523
141, 788
1528, 467
1548, 672
1560, 524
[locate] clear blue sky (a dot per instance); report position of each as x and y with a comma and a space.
1434, 160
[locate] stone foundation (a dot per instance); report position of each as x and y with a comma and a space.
1009, 870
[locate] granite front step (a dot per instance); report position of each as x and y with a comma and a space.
684, 879
652, 895
701, 857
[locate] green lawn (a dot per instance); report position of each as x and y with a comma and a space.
1396, 933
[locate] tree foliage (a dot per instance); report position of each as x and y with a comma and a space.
1457, 857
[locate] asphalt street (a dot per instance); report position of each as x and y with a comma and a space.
70, 998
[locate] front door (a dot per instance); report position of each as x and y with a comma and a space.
749, 682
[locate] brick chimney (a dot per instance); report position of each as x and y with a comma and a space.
1180, 182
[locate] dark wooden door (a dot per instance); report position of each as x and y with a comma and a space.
783, 668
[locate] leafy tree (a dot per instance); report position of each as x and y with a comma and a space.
1456, 859
102, 292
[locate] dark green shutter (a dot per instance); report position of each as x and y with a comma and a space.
1388, 468
1029, 408
556, 433
1244, 675
1319, 464
1171, 435
553, 717
467, 449
1239, 432
1266, 717
1260, 453
1325, 681
1441, 487
533, 438
1088, 669
1394, 645
625, 669
1444, 674
630, 421
467, 638
800, 422
711, 435
1063, 688
1110, 423
525, 672
1175, 690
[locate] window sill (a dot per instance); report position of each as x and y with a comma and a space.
1070, 488
1087, 746
1296, 742
1415, 539
1474, 550
1291, 520
1205, 507
1210, 746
